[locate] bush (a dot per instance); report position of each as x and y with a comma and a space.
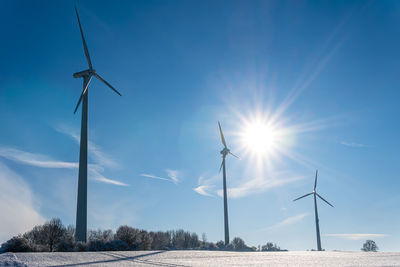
65, 246
80, 247
129, 235
17, 244
99, 235
270, 247
146, 241
220, 245
370, 245
67, 242
160, 240
54, 236
47, 235
98, 240
239, 245
116, 245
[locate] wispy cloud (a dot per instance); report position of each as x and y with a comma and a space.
257, 185
36, 160
95, 152
203, 190
42, 161
96, 175
352, 144
288, 221
155, 177
206, 186
171, 174
357, 236
17, 205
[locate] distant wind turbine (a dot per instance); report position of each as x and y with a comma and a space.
314, 192
225, 151
87, 75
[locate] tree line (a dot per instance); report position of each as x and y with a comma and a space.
54, 236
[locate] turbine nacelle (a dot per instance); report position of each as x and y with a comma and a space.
84, 73
225, 151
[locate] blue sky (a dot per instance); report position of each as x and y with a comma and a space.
322, 74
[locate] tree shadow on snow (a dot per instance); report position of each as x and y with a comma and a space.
118, 257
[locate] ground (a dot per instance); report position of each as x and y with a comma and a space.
201, 258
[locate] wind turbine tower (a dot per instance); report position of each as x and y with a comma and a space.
87, 75
224, 152
314, 192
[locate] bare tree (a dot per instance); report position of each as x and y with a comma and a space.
54, 231
239, 245
161, 240
129, 235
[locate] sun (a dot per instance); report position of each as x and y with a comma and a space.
260, 137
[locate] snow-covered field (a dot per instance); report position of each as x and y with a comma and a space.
201, 258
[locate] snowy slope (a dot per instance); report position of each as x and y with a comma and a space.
200, 258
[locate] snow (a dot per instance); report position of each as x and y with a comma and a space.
201, 258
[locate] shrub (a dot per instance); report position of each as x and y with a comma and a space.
370, 245
129, 235
116, 245
270, 247
80, 247
16, 244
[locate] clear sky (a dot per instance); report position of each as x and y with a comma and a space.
296, 85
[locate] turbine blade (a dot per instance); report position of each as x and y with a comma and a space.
83, 40
315, 183
325, 200
106, 83
222, 135
83, 92
222, 163
302, 196
233, 155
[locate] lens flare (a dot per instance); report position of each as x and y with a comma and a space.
260, 138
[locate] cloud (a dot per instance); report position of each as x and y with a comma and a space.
36, 160
206, 185
352, 144
155, 177
172, 176
95, 175
42, 161
288, 221
202, 190
17, 205
256, 186
95, 152
356, 236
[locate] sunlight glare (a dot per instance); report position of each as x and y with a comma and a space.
260, 137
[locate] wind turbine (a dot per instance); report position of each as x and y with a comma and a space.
314, 192
87, 75
225, 151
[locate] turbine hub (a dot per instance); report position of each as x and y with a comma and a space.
225, 151
84, 73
